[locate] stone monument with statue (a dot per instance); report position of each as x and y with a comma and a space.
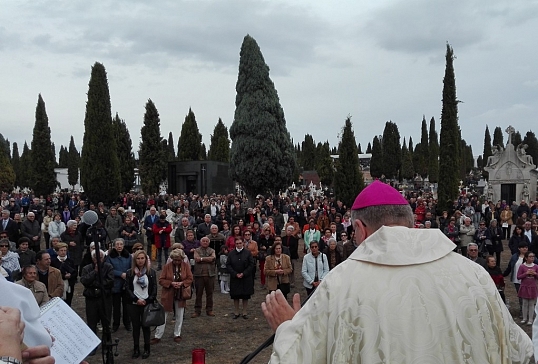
512, 173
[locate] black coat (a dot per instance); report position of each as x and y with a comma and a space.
67, 266
496, 238
293, 244
90, 279
75, 252
241, 262
152, 285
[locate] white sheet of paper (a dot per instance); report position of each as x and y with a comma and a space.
73, 339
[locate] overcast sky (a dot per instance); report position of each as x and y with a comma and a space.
327, 59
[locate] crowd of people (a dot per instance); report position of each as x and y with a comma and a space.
188, 243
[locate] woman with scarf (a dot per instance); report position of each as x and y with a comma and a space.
161, 234
141, 288
69, 272
175, 276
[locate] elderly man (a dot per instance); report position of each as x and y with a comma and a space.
216, 239
50, 276
26, 256
9, 226
416, 315
472, 254
204, 228
467, 231
204, 277
31, 229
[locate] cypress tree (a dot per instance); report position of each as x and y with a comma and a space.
4, 145
487, 146
376, 162
261, 143
309, 153
411, 145
407, 163
53, 148
99, 164
516, 139
7, 175
203, 153
433, 155
63, 157
498, 137
125, 153
467, 159
190, 141
450, 140
392, 152
16, 164
152, 157
424, 149
348, 180
171, 152
73, 162
369, 148
324, 164
43, 162
26, 159
359, 148
219, 149
480, 161
532, 142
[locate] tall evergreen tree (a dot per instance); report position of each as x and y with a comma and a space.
450, 140
5, 146
309, 153
219, 149
359, 148
26, 160
73, 163
203, 153
411, 145
63, 157
467, 159
532, 142
407, 163
99, 164
53, 148
348, 180
7, 175
125, 153
190, 141
392, 152
369, 148
498, 136
324, 163
433, 155
16, 163
152, 157
261, 143
487, 147
43, 162
516, 138
171, 151
479, 161
376, 162
423, 151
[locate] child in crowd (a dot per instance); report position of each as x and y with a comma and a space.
223, 272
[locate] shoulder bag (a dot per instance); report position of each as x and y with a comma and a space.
153, 315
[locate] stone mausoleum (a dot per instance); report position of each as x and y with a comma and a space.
512, 173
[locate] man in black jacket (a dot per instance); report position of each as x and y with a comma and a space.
98, 292
292, 243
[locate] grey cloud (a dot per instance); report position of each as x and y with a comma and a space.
423, 26
208, 33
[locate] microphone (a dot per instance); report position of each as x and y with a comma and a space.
90, 217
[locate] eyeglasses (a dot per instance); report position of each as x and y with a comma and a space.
314, 247
473, 250
4, 246
343, 234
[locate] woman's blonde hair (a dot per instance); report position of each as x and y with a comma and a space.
177, 253
135, 255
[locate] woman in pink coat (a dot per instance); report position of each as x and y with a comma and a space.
528, 291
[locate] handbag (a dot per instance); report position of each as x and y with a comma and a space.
153, 315
184, 293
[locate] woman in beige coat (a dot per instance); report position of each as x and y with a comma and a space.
278, 270
506, 221
175, 274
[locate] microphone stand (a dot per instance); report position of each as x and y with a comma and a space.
269, 341
109, 349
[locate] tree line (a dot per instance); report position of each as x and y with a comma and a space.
262, 155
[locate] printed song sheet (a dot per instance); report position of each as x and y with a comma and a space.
73, 339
